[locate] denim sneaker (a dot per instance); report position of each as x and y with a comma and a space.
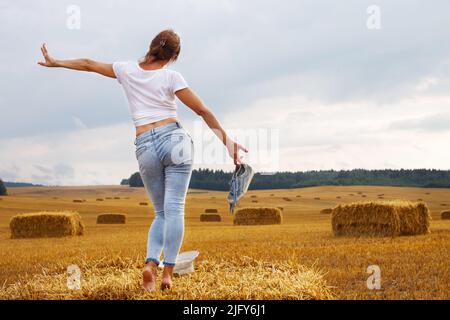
240, 181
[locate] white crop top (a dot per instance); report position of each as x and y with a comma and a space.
150, 93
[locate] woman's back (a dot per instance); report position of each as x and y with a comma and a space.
150, 93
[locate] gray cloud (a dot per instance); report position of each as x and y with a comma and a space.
340, 93
317, 48
432, 123
54, 174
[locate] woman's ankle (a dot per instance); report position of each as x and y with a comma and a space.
151, 262
168, 271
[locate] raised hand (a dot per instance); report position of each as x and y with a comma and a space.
49, 60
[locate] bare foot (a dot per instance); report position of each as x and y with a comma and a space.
149, 277
166, 282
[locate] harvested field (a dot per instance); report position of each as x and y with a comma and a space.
210, 217
120, 279
46, 224
110, 257
257, 216
381, 218
111, 218
445, 215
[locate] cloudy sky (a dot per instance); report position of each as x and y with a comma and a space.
319, 77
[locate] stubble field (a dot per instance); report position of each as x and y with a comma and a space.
299, 259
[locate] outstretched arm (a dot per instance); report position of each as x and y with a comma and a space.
89, 65
190, 99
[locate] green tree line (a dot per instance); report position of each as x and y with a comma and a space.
218, 179
3, 191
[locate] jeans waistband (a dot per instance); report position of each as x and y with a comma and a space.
164, 128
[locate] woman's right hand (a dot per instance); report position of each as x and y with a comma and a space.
233, 151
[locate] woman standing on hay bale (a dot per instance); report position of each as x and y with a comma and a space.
164, 150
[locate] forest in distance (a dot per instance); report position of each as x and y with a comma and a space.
219, 180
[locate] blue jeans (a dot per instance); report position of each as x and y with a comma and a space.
165, 157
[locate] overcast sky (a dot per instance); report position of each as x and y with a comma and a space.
336, 93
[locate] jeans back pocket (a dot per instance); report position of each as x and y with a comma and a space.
178, 149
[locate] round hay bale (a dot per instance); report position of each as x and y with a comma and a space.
272, 195
257, 216
363, 196
443, 204
111, 218
211, 210
210, 217
253, 196
316, 198
445, 215
46, 224
287, 199
117, 198
326, 211
77, 200
255, 201
99, 199
142, 203
298, 196
338, 197
381, 218
420, 199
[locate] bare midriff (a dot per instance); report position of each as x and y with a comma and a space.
149, 126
